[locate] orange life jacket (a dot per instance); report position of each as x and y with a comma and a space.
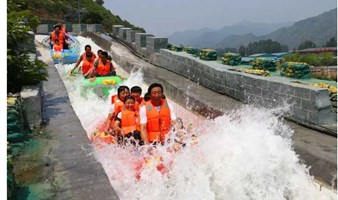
60, 37
57, 47
158, 123
86, 65
103, 69
113, 98
118, 105
130, 121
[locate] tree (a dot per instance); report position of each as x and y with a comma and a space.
241, 50
331, 43
100, 2
264, 46
20, 70
306, 44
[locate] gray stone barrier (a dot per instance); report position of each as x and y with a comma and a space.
154, 44
123, 33
130, 35
116, 29
77, 28
44, 28
32, 102
96, 28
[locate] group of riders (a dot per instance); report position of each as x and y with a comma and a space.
142, 120
146, 120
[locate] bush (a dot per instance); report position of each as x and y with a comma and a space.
322, 59
20, 70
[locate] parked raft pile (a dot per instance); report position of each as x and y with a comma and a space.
264, 64
208, 54
232, 59
297, 70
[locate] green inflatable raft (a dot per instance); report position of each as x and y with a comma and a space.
101, 85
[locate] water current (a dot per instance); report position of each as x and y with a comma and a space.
247, 154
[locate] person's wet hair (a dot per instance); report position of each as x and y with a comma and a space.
88, 46
136, 89
99, 51
146, 97
129, 97
104, 54
122, 88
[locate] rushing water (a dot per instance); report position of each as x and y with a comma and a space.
247, 154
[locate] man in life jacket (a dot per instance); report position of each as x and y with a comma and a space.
116, 106
57, 46
127, 123
103, 67
87, 64
61, 36
83, 57
156, 116
136, 92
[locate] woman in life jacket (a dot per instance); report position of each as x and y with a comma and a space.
127, 123
116, 106
104, 67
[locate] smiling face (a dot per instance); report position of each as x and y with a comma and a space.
123, 94
130, 104
156, 95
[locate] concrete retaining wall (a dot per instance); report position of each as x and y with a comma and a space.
307, 104
130, 35
116, 29
44, 28
95, 28
77, 28
32, 102
123, 33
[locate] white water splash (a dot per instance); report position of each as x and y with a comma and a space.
247, 154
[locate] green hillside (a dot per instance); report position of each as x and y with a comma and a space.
67, 10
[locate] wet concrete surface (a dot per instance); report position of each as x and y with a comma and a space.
73, 171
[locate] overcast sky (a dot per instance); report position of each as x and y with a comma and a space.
163, 17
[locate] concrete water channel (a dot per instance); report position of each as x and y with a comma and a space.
73, 172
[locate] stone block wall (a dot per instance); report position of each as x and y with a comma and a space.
141, 39
116, 29
154, 44
94, 28
77, 28
130, 35
123, 33
307, 104
44, 28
